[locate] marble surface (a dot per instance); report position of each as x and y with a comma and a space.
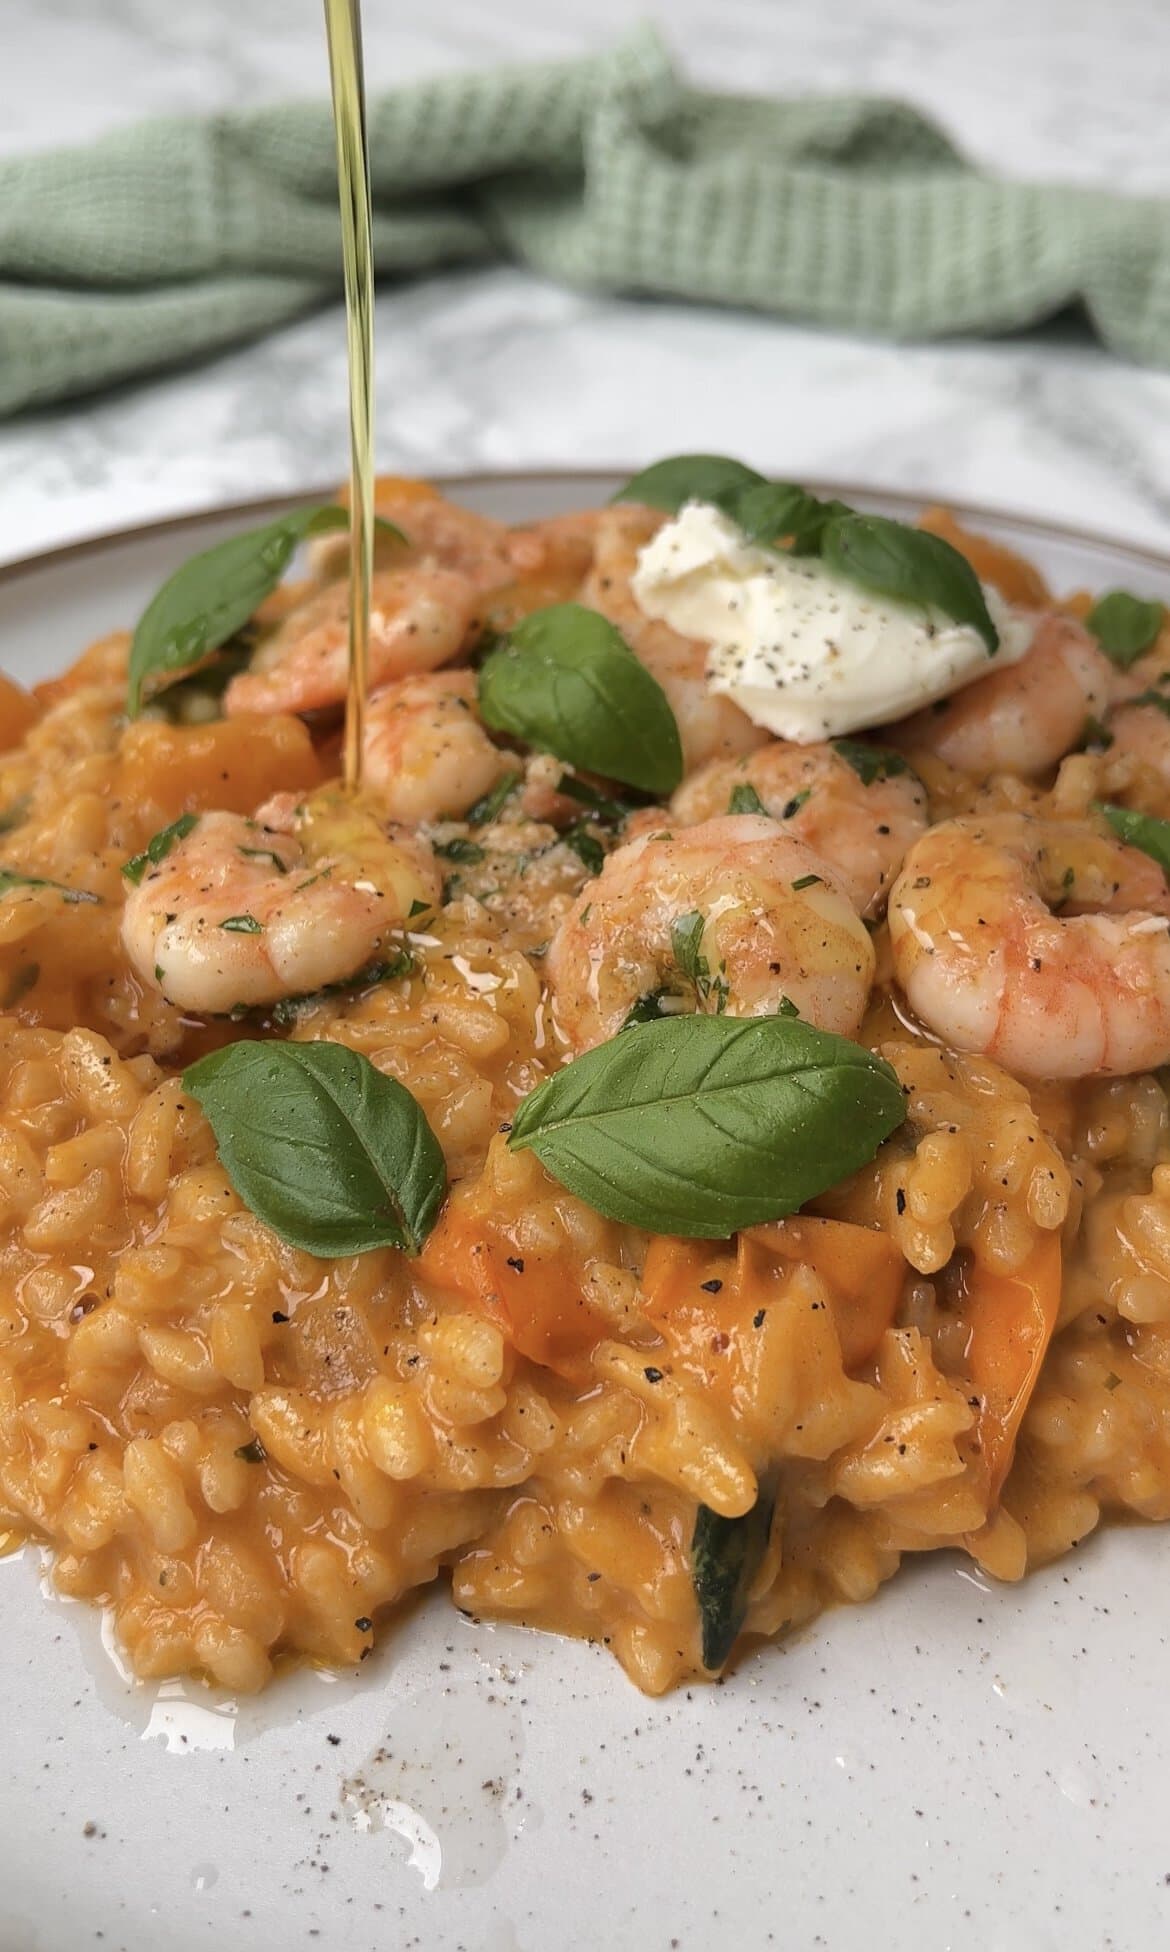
498, 370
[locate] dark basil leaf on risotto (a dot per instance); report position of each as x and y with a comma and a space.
1125, 626
214, 594
1142, 830
565, 681
333, 1155
725, 1557
870, 763
700, 1125
690, 478
894, 560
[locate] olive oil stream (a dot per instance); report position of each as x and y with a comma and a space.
344, 31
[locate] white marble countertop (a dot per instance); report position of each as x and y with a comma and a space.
499, 370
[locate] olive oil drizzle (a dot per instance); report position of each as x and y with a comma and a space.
344, 31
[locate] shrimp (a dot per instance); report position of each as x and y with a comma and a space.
1024, 718
1139, 731
710, 725
438, 534
549, 562
419, 618
427, 757
731, 915
1044, 944
561, 546
861, 827
244, 912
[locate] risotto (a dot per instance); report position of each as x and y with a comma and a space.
673, 1440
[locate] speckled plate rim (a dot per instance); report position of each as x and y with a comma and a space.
906, 504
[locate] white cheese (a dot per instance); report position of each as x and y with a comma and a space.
801, 650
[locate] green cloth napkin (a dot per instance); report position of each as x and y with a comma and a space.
177, 237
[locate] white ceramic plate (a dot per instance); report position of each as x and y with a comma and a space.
956, 1766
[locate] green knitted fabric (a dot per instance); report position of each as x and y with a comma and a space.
177, 237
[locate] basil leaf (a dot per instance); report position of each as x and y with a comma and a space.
778, 510
1125, 626
745, 799
214, 594
242, 925
330, 1153
1142, 830
699, 1125
871, 763
689, 478
160, 845
565, 680
908, 564
725, 1557
9, 879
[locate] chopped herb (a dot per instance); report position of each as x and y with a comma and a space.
466, 852
648, 1008
243, 925
1155, 698
267, 854
725, 1557
491, 804
793, 806
745, 799
1097, 737
417, 908
585, 846
787, 1008
23, 980
807, 881
10, 879
387, 970
15, 815
604, 806
252, 1452
159, 847
1143, 830
686, 935
870, 763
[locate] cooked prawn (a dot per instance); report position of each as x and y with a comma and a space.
1044, 944
250, 911
710, 725
1140, 732
861, 829
419, 618
438, 533
427, 757
732, 915
1024, 718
